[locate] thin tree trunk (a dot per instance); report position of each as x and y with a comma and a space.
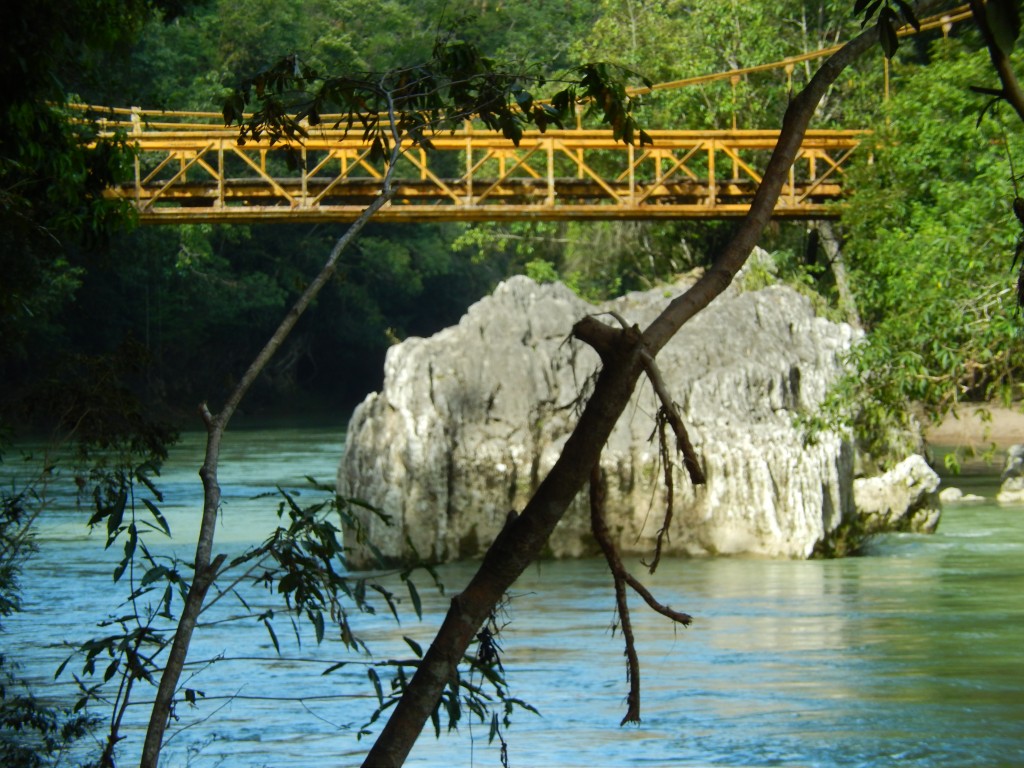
206, 566
1012, 92
621, 352
834, 252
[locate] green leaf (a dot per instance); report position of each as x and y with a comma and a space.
191, 694
511, 129
333, 668
414, 645
318, 624
158, 516
887, 32
273, 636
389, 598
111, 670
289, 583
132, 541
869, 11
452, 705
154, 574
116, 515
129, 552
165, 611
377, 149
378, 689
909, 15
414, 595
523, 705
143, 478
60, 667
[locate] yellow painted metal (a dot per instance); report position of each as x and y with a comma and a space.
188, 169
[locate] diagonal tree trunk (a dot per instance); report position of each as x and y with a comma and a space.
1012, 93
622, 354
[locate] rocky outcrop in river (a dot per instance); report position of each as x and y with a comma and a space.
471, 419
902, 499
1012, 489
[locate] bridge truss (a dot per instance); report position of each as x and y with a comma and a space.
189, 169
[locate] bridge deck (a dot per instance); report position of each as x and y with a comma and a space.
189, 172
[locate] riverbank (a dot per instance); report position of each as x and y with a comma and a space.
968, 429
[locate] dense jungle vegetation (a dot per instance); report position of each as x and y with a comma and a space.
174, 312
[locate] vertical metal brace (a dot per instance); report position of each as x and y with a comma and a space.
305, 179
712, 181
221, 175
549, 147
631, 158
468, 199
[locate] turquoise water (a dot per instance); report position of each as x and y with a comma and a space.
911, 655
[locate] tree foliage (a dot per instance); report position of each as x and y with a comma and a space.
34, 732
410, 103
52, 174
928, 239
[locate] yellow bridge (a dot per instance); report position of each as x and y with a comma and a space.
188, 168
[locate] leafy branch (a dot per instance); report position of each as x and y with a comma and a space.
889, 20
410, 104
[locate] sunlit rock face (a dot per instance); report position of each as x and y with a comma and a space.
470, 420
1012, 489
903, 499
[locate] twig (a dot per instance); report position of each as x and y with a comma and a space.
621, 578
667, 467
690, 460
598, 491
667, 413
677, 616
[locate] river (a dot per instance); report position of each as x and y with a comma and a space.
910, 655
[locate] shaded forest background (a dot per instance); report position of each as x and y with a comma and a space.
174, 313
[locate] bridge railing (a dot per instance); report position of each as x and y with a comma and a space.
188, 168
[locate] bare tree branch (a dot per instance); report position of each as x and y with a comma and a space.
671, 411
652, 602
598, 493
690, 460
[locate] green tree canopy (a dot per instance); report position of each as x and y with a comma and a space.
930, 248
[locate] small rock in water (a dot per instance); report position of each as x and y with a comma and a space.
1012, 489
953, 495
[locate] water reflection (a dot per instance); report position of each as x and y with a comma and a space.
911, 655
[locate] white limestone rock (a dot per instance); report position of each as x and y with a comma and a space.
1012, 489
953, 495
470, 420
902, 499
